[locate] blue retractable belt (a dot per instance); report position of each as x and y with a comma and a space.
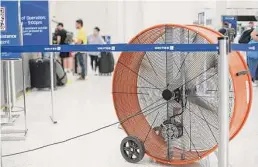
127, 48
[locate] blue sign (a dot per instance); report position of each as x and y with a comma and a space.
9, 28
231, 20
35, 20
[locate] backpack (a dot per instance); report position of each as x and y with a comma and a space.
246, 36
69, 38
61, 76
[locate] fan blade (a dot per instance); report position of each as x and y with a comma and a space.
193, 97
201, 102
196, 71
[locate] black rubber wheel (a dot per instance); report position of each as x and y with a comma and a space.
132, 149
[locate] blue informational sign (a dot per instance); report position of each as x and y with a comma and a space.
35, 20
231, 20
9, 28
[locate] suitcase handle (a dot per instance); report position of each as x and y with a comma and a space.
39, 60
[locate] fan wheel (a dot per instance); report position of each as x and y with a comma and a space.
174, 95
132, 149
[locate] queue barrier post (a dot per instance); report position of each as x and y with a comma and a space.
223, 80
52, 87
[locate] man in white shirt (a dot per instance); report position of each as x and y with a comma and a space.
95, 38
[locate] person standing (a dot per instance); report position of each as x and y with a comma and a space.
61, 36
81, 39
228, 31
252, 58
95, 38
54, 39
224, 28
251, 25
246, 35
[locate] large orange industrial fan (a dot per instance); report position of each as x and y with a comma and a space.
172, 97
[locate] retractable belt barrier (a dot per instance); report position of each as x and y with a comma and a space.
127, 48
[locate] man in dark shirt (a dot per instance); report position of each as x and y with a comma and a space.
61, 36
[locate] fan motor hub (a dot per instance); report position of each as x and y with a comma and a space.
167, 94
172, 131
178, 94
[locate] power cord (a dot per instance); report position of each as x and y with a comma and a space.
91, 132
60, 142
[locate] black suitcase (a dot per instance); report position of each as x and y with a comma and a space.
40, 73
106, 63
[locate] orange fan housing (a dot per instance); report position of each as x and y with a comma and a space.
129, 95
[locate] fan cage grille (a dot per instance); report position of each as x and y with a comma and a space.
141, 77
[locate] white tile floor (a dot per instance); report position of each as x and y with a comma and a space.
84, 106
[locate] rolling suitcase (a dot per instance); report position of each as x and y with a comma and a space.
106, 63
40, 73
